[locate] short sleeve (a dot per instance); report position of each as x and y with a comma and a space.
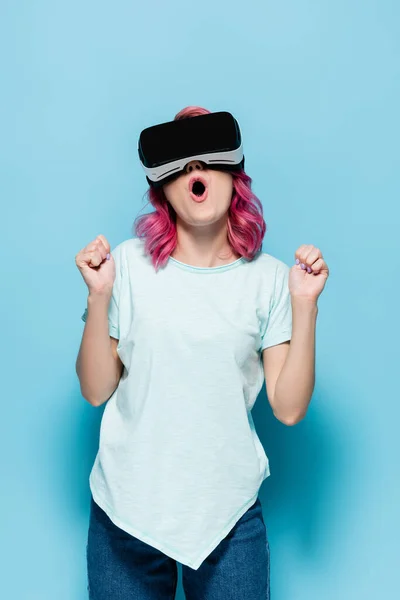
113, 307
279, 323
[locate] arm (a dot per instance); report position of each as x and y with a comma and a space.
290, 367
98, 365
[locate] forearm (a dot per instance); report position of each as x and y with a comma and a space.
95, 365
295, 384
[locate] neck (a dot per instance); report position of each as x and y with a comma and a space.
206, 246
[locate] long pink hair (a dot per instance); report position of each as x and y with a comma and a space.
246, 225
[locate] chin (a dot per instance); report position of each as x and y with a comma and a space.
203, 220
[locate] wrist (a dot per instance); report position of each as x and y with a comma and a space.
303, 303
99, 298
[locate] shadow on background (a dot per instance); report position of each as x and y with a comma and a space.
297, 497
78, 449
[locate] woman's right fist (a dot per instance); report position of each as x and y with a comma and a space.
96, 270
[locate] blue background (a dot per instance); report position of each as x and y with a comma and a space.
315, 87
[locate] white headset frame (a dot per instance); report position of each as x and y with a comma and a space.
231, 157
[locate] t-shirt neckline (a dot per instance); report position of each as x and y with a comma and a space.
218, 269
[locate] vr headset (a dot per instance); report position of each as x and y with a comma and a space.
166, 149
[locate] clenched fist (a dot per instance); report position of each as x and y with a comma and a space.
97, 266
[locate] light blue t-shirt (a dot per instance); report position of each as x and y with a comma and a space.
179, 460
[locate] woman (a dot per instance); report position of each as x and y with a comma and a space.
183, 324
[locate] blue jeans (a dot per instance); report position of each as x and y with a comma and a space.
122, 567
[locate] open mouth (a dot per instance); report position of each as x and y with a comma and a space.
198, 189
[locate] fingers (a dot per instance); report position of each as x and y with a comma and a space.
95, 258
309, 258
99, 251
105, 243
94, 253
318, 265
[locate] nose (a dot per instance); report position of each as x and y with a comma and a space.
194, 165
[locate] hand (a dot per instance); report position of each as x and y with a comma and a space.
97, 271
308, 276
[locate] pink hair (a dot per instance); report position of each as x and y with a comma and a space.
246, 225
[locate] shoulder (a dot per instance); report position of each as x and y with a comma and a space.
269, 277
129, 245
269, 265
130, 256
130, 249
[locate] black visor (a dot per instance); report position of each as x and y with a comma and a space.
214, 138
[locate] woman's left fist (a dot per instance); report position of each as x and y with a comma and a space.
308, 276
